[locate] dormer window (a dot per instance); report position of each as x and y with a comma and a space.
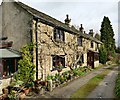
79, 40
92, 45
59, 35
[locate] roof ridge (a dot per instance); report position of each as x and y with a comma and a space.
50, 19
23, 4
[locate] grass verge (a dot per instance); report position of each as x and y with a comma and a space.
84, 91
117, 86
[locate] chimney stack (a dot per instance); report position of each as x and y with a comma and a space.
91, 32
67, 20
81, 29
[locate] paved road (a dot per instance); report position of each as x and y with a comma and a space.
106, 87
65, 92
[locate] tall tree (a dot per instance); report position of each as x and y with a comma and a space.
107, 36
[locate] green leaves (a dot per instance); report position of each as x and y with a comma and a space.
102, 54
26, 67
107, 36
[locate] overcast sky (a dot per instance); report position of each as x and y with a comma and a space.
90, 13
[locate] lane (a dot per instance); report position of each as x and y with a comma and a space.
106, 87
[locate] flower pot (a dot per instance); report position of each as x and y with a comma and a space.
26, 90
22, 95
5, 91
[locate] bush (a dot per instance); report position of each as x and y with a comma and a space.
25, 66
102, 55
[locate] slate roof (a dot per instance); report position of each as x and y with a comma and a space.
54, 22
9, 53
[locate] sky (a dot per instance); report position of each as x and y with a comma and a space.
90, 13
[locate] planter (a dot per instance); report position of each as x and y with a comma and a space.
22, 96
26, 91
5, 91
5, 97
44, 83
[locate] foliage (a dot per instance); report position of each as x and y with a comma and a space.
117, 50
97, 36
26, 67
12, 95
118, 59
102, 54
117, 86
68, 75
107, 35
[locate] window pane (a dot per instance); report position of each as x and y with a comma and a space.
59, 35
79, 41
58, 61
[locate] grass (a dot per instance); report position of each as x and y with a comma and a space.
84, 91
84, 73
117, 86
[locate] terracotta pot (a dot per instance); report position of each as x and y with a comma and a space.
4, 97
26, 90
22, 96
5, 91
46, 83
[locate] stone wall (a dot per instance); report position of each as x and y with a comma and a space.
48, 48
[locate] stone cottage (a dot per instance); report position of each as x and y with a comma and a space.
58, 44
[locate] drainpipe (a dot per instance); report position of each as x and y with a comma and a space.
36, 37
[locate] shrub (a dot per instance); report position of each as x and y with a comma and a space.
26, 67
102, 55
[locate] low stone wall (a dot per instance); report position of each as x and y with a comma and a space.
4, 83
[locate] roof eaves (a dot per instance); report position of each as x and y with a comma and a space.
56, 23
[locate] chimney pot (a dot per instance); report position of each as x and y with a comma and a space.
67, 20
81, 28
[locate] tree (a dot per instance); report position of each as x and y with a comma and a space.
118, 50
107, 36
26, 67
102, 54
97, 36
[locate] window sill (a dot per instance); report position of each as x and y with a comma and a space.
55, 69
